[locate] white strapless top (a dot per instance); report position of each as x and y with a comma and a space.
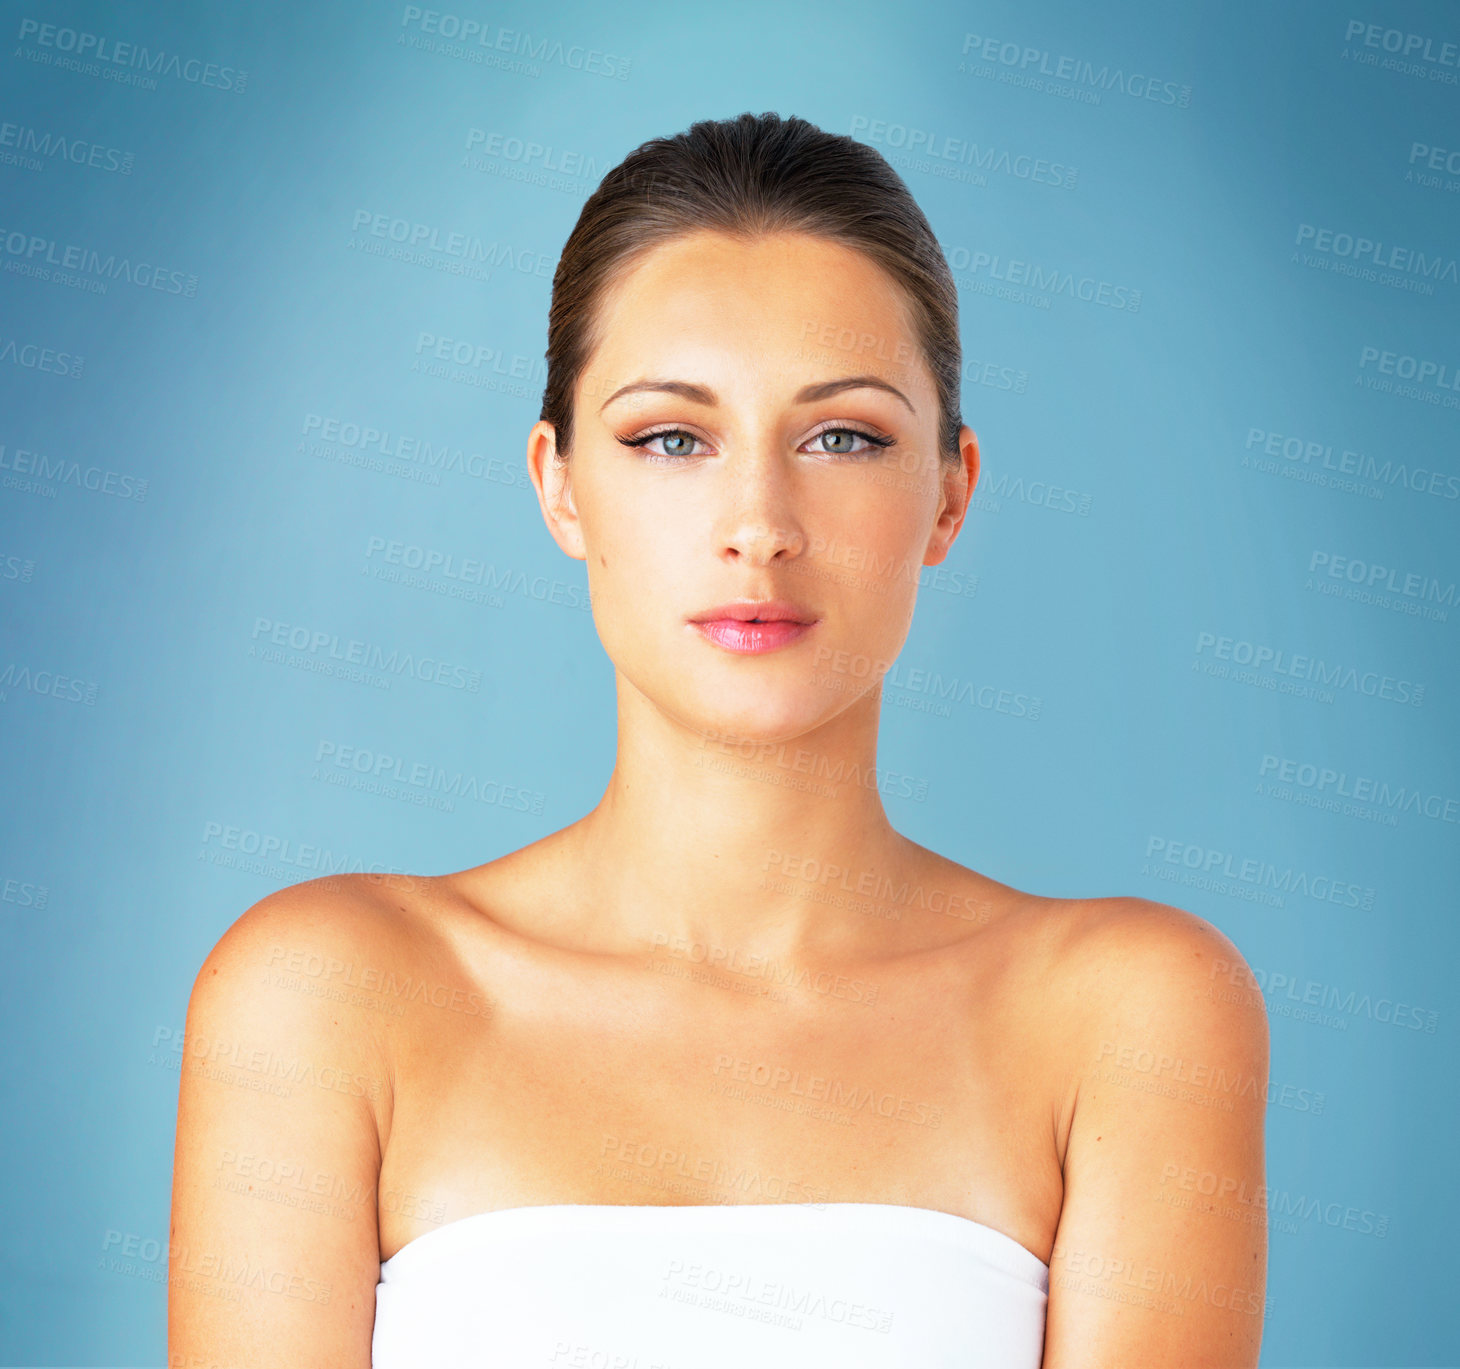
738, 1286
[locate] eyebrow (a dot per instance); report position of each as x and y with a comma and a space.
808, 394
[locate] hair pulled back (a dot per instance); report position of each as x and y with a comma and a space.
749, 176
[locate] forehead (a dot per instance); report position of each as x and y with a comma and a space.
708, 297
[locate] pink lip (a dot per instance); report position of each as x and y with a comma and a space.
750, 639
767, 610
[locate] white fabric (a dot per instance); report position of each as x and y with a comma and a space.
753, 1286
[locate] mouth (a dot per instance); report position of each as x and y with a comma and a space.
758, 611
750, 628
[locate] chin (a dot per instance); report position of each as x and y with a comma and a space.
775, 713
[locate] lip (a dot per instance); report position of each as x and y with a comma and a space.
768, 610
730, 626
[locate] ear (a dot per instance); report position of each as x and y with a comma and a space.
957, 492
552, 479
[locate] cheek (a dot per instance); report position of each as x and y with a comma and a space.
881, 532
870, 563
637, 548
637, 533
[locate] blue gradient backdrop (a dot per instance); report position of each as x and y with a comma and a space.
1212, 360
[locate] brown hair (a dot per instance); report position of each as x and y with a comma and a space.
750, 175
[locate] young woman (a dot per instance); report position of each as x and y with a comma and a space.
729, 1072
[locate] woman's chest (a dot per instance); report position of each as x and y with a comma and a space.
720, 1086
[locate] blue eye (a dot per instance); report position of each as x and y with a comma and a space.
836, 440
845, 435
683, 442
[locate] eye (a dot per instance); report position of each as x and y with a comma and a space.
677, 443
837, 441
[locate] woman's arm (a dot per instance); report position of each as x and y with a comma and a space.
1161, 1252
273, 1255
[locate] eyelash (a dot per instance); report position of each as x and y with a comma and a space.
878, 441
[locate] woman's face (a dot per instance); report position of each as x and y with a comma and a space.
741, 466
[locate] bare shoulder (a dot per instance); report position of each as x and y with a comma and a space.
296, 969
1142, 992
1111, 928
1103, 976
337, 912
327, 967
287, 1073
1101, 952
1164, 1110
1133, 956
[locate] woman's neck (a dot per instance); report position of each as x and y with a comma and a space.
727, 840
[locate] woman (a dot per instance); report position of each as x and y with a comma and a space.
728, 1071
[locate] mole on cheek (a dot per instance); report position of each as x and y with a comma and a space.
602, 561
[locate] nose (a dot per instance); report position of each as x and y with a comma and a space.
760, 525
760, 544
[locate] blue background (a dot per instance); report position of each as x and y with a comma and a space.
143, 720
